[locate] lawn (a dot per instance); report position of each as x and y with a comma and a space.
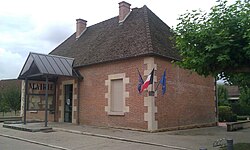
240, 146
8, 114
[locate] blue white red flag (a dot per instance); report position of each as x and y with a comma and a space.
149, 80
140, 81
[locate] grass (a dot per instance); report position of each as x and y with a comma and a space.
240, 118
240, 146
8, 114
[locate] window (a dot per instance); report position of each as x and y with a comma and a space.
37, 102
36, 95
117, 95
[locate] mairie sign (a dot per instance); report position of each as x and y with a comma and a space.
40, 86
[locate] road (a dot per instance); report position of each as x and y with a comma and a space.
191, 139
64, 140
12, 144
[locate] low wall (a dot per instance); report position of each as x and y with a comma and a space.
233, 126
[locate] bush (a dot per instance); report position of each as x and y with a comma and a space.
242, 117
226, 114
241, 110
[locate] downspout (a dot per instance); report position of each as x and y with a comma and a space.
216, 101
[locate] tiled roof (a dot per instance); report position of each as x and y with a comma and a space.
142, 33
233, 90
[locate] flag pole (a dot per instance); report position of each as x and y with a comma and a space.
140, 81
157, 86
159, 82
152, 92
139, 74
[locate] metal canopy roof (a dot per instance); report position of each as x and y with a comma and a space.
38, 65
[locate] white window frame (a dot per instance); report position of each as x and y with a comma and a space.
125, 93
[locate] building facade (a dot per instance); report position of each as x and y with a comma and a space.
108, 56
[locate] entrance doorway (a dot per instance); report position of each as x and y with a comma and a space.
68, 94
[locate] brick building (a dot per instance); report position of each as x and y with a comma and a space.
107, 56
9, 83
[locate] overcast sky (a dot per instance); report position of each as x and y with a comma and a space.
41, 25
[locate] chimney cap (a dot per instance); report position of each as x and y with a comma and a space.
79, 19
123, 2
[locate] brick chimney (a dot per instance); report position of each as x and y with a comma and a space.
124, 10
80, 27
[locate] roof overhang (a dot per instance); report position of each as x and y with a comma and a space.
39, 66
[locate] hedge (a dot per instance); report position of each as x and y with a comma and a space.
226, 114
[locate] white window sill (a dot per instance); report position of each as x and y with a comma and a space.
34, 111
116, 113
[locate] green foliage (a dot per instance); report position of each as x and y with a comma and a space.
11, 99
245, 96
241, 110
242, 118
226, 114
217, 42
242, 107
239, 146
222, 95
4, 107
241, 79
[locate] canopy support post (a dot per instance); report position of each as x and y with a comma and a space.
46, 103
25, 100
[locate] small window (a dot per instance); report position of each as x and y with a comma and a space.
117, 95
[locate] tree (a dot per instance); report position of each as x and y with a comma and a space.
4, 107
217, 42
245, 96
242, 108
11, 97
222, 95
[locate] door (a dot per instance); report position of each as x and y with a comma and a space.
68, 94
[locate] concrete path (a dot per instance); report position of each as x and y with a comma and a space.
190, 139
76, 137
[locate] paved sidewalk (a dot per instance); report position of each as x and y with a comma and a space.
192, 139
31, 127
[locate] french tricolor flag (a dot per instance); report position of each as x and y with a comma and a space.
149, 81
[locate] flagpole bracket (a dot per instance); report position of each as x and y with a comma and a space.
151, 93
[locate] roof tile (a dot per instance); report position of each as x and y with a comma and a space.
142, 33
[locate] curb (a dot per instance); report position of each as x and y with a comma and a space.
34, 142
120, 139
11, 126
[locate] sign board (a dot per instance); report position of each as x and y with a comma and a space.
36, 95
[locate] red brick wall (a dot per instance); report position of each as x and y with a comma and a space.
189, 99
39, 115
93, 89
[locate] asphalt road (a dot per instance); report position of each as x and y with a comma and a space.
64, 140
12, 144
191, 139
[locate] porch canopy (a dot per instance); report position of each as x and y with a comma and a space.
38, 66
42, 67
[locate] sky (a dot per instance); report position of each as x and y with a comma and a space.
41, 25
